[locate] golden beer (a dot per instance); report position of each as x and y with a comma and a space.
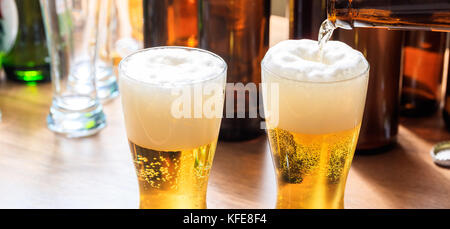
172, 152
312, 168
314, 116
177, 179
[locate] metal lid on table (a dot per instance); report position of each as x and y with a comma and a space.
441, 154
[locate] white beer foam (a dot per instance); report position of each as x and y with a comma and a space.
315, 97
300, 60
151, 81
172, 66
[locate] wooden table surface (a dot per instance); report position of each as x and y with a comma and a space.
39, 169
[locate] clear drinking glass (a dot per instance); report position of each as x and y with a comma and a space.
172, 101
128, 36
72, 34
106, 80
312, 125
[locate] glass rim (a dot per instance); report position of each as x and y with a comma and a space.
123, 73
356, 76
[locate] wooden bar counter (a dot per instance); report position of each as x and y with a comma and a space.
39, 169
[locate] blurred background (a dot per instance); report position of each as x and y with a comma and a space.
407, 111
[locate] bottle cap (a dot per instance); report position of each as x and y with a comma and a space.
441, 154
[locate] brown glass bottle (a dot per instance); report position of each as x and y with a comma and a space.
446, 110
411, 14
424, 53
238, 31
170, 23
305, 18
383, 50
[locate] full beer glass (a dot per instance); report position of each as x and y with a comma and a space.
314, 102
172, 101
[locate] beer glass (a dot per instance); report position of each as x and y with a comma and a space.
71, 29
313, 122
172, 101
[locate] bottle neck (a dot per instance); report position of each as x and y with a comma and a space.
401, 14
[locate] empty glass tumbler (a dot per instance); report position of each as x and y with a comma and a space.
72, 34
106, 78
128, 32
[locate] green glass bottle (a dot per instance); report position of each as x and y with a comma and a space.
28, 60
9, 21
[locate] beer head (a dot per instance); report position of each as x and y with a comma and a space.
318, 92
301, 60
166, 92
172, 66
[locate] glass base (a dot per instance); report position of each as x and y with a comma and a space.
76, 124
107, 88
